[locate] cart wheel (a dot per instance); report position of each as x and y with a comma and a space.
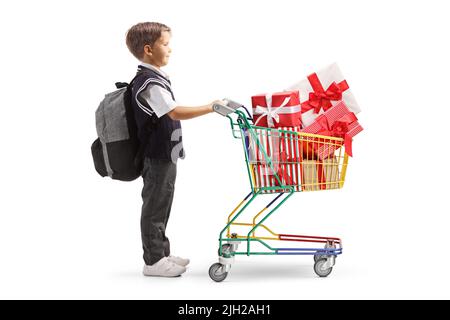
318, 268
225, 248
319, 255
216, 272
322, 254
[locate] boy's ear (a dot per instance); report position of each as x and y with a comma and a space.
148, 50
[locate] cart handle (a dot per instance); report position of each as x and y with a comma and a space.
242, 122
229, 107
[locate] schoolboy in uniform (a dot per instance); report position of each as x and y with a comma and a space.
158, 118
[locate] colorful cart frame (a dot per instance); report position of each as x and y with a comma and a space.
280, 161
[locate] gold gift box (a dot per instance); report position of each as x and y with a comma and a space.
310, 174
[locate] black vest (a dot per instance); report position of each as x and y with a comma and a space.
161, 138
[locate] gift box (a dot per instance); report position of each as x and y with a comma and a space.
277, 109
288, 163
290, 170
281, 147
339, 122
310, 177
322, 90
330, 171
267, 142
320, 175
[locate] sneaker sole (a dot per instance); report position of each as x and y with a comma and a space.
158, 275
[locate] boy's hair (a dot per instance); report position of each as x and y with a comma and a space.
142, 34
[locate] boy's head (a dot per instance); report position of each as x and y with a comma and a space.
149, 42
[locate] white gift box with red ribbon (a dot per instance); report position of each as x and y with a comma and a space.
322, 90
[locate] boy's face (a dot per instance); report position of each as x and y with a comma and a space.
158, 54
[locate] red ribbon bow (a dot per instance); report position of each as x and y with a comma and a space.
338, 129
321, 98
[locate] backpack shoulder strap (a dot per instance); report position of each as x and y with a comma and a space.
125, 84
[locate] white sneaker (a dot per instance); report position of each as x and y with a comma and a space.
164, 268
179, 261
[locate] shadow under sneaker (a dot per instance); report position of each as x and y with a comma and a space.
164, 268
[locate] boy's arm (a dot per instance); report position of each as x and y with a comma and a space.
185, 113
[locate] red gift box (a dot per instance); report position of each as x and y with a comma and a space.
338, 121
264, 173
277, 110
288, 162
282, 150
290, 168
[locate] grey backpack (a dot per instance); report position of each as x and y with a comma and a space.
116, 152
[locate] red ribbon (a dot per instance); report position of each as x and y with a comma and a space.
338, 129
321, 176
321, 98
282, 171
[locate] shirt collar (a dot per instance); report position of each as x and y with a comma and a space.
152, 67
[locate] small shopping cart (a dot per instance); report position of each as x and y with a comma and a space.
279, 161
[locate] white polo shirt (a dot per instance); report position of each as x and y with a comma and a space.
158, 98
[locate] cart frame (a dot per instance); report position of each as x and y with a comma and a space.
243, 129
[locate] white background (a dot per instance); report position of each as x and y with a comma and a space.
67, 233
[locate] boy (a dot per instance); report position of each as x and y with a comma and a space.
158, 118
